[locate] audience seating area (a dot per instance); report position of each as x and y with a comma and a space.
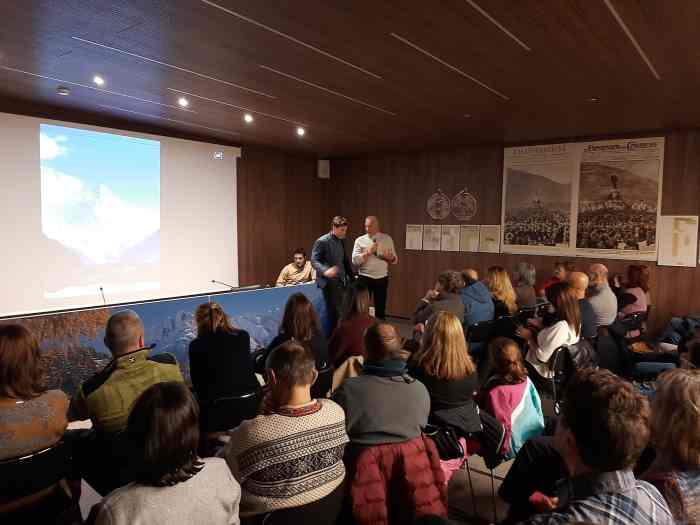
319, 425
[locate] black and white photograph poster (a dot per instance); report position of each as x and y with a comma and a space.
619, 197
537, 198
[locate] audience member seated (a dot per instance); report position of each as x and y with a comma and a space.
511, 397
561, 271
31, 417
637, 285
299, 322
299, 271
579, 283
172, 485
600, 296
444, 297
292, 454
346, 339
675, 420
524, 279
476, 298
602, 433
615, 281
502, 292
384, 404
107, 396
221, 364
565, 330
444, 366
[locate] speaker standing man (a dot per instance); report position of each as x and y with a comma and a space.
372, 254
333, 269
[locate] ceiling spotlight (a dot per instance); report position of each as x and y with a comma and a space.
63, 91
183, 102
593, 100
301, 131
248, 118
97, 79
467, 115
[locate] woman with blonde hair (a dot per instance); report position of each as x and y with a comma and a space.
675, 421
504, 298
444, 366
221, 364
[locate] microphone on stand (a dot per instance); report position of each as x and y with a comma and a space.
102, 293
225, 284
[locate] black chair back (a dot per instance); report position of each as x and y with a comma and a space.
323, 384
320, 512
26, 475
226, 413
481, 332
563, 367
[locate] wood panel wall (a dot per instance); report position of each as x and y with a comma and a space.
282, 206
396, 188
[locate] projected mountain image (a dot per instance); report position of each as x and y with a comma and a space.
100, 201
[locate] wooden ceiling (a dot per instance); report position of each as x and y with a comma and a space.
361, 76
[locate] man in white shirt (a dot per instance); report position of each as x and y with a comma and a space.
372, 254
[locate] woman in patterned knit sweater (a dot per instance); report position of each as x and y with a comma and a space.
292, 454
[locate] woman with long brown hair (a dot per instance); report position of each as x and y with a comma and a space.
510, 396
301, 323
504, 298
347, 338
444, 366
565, 330
221, 364
32, 418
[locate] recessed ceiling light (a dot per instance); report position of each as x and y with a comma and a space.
248, 118
301, 131
593, 100
467, 115
63, 91
97, 79
183, 102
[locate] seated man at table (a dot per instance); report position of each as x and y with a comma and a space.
299, 271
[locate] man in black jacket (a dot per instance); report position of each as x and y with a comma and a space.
333, 269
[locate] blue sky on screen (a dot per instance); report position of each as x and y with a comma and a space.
100, 193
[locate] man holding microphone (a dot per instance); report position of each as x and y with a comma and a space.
372, 254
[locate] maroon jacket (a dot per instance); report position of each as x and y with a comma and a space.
397, 482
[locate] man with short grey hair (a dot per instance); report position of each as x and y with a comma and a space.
372, 254
600, 296
107, 396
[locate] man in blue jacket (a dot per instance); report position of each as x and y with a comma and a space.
333, 269
478, 304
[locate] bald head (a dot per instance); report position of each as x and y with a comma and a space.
579, 282
598, 274
124, 332
382, 342
371, 225
471, 273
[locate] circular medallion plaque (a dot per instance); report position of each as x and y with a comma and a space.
464, 205
438, 206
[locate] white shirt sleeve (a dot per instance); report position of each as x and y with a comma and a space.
390, 243
549, 339
357, 258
